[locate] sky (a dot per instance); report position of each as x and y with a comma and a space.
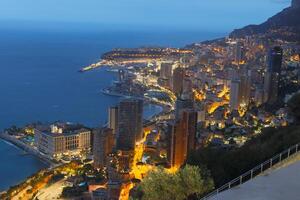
214, 15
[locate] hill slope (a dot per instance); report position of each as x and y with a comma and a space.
284, 25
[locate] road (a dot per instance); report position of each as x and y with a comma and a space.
52, 192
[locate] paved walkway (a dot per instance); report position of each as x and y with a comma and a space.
52, 192
283, 183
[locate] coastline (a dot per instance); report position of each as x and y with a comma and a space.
22, 146
165, 107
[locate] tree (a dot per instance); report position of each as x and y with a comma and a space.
294, 107
226, 165
190, 180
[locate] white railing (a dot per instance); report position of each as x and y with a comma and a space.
255, 171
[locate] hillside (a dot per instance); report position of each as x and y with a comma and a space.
284, 25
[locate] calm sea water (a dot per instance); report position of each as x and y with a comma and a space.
39, 82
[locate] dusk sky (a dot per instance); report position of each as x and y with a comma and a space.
214, 15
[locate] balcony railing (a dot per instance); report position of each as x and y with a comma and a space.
259, 169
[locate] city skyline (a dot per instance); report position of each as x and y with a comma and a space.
178, 123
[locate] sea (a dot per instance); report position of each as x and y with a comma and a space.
39, 81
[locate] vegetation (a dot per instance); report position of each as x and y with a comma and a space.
294, 107
187, 182
227, 165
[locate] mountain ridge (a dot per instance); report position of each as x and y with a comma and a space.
284, 25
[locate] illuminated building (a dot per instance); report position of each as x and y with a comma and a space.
275, 60
245, 88
259, 96
130, 121
272, 76
103, 145
166, 70
164, 82
125, 160
178, 76
113, 119
234, 94
187, 89
239, 53
183, 138
178, 145
267, 85
61, 140
182, 104
189, 120
232, 74
165, 77
201, 116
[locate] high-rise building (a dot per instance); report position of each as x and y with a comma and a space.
130, 124
165, 77
113, 119
267, 86
239, 53
245, 88
187, 89
178, 145
164, 82
273, 75
166, 70
183, 138
103, 145
235, 94
178, 76
125, 160
181, 105
232, 74
259, 96
275, 60
189, 122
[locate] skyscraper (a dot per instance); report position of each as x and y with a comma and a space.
103, 145
183, 138
273, 75
245, 88
187, 88
178, 76
235, 94
275, 60
165, 77
239, 53
166, 70
259, 96
113, 118
181, 105
178, 145
130, 121
189, 121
